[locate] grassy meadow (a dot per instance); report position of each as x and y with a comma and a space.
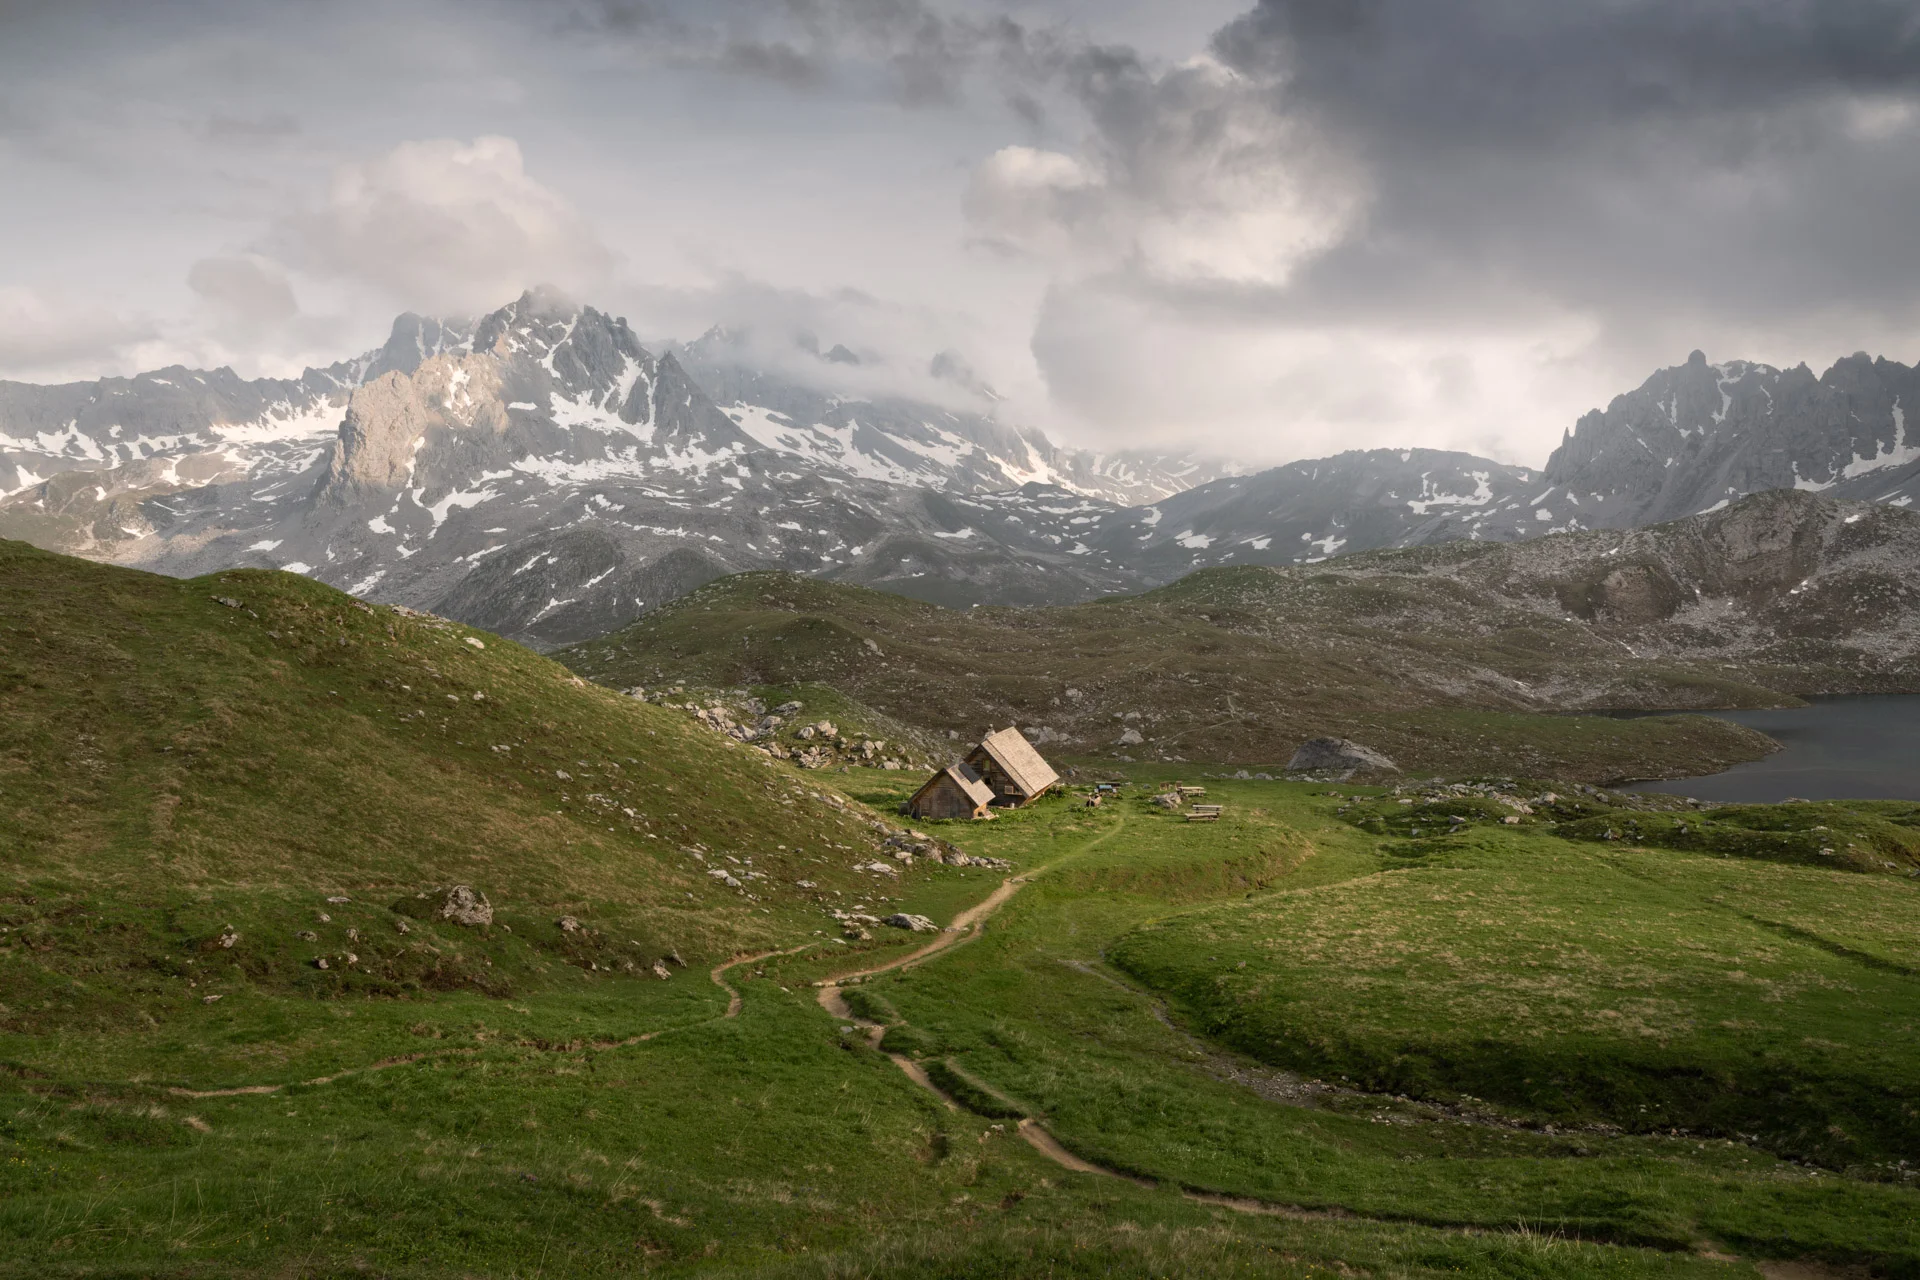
1300, 1041
535, 1135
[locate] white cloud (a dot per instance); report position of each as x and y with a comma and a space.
244, 291
1192, 175
446, 226
1151, 374
54, 338
1030, 201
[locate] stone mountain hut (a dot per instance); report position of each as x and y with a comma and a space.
1004, 771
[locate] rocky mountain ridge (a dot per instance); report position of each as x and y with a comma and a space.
913, 442
1691, 439
1698, 436
542, 474
539, 473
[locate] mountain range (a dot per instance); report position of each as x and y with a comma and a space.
540, 473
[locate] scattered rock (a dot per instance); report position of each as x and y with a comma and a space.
914, 924
337, 899
228, 938
466, 905
230, 602
1338, 753
725, 877
210, 999
568, 924
403, 926
1131, 738
320, 963
661, 971
307, 935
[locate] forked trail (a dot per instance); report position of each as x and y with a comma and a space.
967, 925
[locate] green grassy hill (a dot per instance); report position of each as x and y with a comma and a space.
257, 756
208, 787
1728, 989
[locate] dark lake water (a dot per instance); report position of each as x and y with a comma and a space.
1857, 747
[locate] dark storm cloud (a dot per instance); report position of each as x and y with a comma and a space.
1530, 188
1614, 159
1762, 148
1494, 73
926, 52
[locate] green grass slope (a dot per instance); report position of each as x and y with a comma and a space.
1735, 983
599, 1125
207, 787
1207, 669
1109, 1001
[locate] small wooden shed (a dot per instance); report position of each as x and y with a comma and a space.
1011, 767
954, 792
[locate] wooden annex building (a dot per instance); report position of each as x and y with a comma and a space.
1004, 771
954, 792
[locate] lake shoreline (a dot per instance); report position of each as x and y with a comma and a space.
1836, 747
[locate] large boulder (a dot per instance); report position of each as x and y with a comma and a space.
1321, 754
466, 905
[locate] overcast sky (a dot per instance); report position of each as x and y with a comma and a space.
1267, 232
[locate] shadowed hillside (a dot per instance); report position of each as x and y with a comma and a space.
1441, 656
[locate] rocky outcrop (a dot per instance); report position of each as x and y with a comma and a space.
465, 905
1338, 754
378, 449
379, 439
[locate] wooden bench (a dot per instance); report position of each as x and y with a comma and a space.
1205, 813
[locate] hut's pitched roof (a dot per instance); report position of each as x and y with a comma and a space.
1012, 752
970, 782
